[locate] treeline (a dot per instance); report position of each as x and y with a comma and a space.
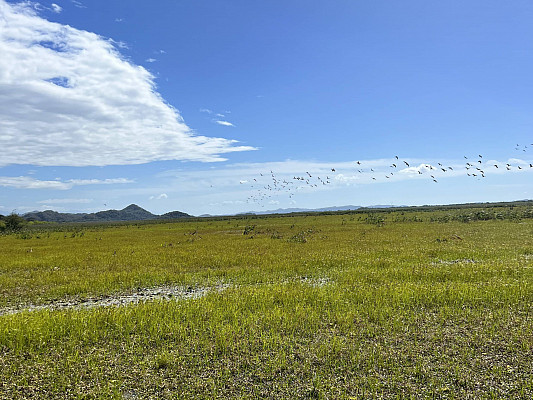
11, 223
512, 214
514, 211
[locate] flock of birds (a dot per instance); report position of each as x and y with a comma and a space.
268, 185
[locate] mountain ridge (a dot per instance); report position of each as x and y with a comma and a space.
130, 213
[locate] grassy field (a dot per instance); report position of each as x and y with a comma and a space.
382, 305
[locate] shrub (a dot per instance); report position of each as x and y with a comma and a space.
13, 223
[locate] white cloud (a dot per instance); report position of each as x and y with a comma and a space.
78, 182
346, 179
160, 197
255, 177
121, 44
65, 201
26, 182
78, 4
56, 8
517, 161
231, 202
225, 123
68, 98
150, 60
422, 168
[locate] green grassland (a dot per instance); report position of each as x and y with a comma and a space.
404, 304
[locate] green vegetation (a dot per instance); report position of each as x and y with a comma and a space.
11, 223
367, 304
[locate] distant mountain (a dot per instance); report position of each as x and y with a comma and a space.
131, 213
174, 215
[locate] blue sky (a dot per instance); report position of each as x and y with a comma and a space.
189, 105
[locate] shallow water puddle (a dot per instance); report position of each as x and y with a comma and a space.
149, 294
140, 296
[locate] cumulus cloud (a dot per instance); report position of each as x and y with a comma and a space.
26, 182
68, 98
56, 8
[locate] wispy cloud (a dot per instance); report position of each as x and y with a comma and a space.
150, 60
78, 182
56, 8
517, 161
230, 202
120, 44
66, 201
78, 4
341, 178
224, 123
420, 169
329, 175
160, 197
69, 98
27, 182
